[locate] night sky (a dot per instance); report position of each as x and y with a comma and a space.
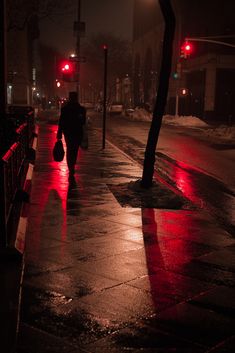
109, 16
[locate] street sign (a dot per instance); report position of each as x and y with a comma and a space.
81, 59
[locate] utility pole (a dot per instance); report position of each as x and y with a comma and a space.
78, 47
105, 48
178, 63
2, 60
3, 229
3, 100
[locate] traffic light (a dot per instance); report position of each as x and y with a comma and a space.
186, 50
184, 92
68, 71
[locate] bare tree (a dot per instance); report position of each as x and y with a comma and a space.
160, 103
20, 12
119, 61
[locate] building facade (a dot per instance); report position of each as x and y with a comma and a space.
207, 75
21, 71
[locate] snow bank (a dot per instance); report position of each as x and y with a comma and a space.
226, 133
140, 114
191, 121
223, 133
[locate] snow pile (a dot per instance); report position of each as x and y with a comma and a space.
226, 133
191, 121
140, 114
222, 133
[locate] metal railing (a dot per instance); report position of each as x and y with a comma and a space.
13, 168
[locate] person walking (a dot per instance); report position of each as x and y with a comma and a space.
72, 119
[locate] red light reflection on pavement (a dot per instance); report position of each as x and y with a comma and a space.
185, 183
50, 192
182, 175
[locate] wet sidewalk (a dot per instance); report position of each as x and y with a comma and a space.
101, 277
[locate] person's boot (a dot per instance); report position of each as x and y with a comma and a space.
71, 174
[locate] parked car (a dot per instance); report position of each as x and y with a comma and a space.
129, 111
88, 105
115, 108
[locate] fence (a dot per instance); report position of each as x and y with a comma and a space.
13, 168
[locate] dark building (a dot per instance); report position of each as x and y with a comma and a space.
21, 81
208, 74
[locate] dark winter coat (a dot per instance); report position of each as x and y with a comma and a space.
72, 119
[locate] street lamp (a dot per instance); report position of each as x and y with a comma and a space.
33, 90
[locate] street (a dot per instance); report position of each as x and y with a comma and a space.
201, 169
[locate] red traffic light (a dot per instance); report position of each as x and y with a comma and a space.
186, 49
184, 92
67, 67
68, 71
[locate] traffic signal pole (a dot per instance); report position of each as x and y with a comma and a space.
209, 40
186, 50
105, 48
178, 64
78, 47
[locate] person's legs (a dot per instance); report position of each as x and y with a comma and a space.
71, 154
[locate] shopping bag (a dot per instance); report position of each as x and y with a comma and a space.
84, 142
58, 151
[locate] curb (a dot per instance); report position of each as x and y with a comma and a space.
155, 174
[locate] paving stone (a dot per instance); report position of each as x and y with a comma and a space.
112, 308
123, 267
205, 272
199, 325
224, 259
220, 299
40, 341
142, 338
226, 346
71, 282
165, 284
